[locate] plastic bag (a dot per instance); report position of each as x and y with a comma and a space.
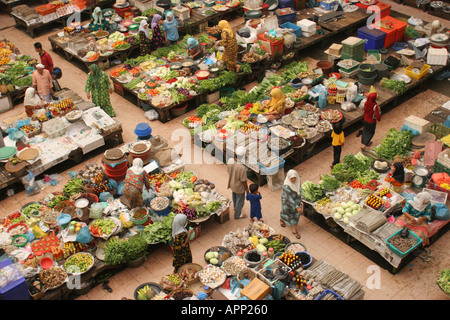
63, 219
442, 212
84, 236
96, 211
152, 115
29, 182
352, 92
323, 101
105, 196
348, 106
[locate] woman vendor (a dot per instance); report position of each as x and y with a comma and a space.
194, 49
229, 43
170, 28
181, 250
145, 41
396, 177
416, 215
276, 105
133, 185
157, 37
32, 101
98, 21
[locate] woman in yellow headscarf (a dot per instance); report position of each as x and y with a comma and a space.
229, 43
276, 105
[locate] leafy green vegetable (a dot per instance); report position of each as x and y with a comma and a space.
395, 143
395, 85
311, 191
329, 183
159, 231
444, 280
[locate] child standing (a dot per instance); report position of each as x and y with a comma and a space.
255, 203
337, 142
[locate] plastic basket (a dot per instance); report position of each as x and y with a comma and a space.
417, 76
327, 5
272, 170
297, 30
357, 57
45, 9
354, 66
439, 130
328, 291
54, 127
398, 252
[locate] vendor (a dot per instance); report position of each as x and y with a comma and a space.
157, 37
181, 250
98, 21
145, 41
416, 215
170, 28
194, 49
396, 177
276, 105
133, 185
229, 43
32, 101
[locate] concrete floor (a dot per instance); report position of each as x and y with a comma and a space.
415, 282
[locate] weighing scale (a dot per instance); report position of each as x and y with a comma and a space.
420, 177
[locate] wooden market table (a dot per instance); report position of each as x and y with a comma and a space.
6, 6
103, 61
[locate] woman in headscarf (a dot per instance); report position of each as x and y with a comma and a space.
145, 41
416, 215
98, 21
276, 105
229, 43
372, 114
133, 185
291, 202
157, 38
397, 176
181, 250
194, 49
99, 88
170, 28
32, 101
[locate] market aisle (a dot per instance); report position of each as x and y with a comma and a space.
411, 283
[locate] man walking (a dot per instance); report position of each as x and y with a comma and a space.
237, 182
42, 83
46, 59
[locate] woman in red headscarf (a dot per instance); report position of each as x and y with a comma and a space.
372, 114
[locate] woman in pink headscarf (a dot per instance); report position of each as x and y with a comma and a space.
157, 37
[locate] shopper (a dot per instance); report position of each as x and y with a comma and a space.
180, 236
230, 45
416, 215
396, 177
170, 28
157, 38
337, 142
372, 114
32, 101
254, 197
237, 182
291, 202
45, 57
145, 41
194, 49
42, 83
133, 185
99, 88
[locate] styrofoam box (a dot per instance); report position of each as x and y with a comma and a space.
308, 34
307, 25
416, 123
437, 56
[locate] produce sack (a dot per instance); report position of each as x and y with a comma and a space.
63, 220
442, 212
323, 101
105, 196
84, 236
29, 182
352, 92
96, 210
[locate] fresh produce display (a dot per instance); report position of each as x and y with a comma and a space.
345, 210
32, 209
212, 276
402, 244
329, 183
374, 202
102, 227
146, 293
79, 263
73, 186
397, 86
171, 282
444, 280
277, 245
159, 231
53, 277
312, 192
396, 143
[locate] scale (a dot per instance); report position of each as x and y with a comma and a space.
420, 177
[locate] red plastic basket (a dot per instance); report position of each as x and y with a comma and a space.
276, 47
45, 9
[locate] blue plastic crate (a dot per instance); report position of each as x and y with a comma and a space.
328, 5
398, 252
374, 38
286, 4
273, 170
288, 17
323, 294
293, 26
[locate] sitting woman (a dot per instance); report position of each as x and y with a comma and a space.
276, 105
416, 215
32, 102
98, 21
194, 49
396, 177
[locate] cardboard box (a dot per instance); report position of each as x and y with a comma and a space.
256, 290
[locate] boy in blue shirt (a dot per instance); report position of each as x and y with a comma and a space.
255, 203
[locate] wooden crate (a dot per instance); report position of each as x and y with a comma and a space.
224, 216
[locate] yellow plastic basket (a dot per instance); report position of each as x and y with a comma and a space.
417, 76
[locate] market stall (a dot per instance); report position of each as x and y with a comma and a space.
254, 264
66, 129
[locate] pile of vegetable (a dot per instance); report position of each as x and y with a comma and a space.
395, 143
355, 167
159, 231
73, 186
397, 86
101, 227
444, 280
311, 191
330, 183
345, 210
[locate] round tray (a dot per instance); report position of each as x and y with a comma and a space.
28, 154
217, 283
381, 170
340, 113
181, 290
155, 286
112, 158
221, 250
80, 254
57, 286
7, 152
